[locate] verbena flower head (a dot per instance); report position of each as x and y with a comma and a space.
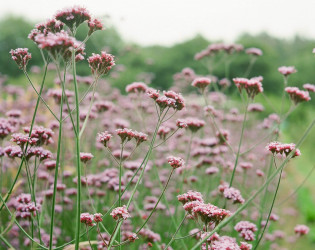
21, 139
283, 149
209, 213
254, 51
246, 230
87, 219
201, 83
234, 194
73, 17
120, 213
175, 162
104, 138
5, 128
60, 44
94, 25
301, 230
246, 246
194, 124
252, 86
101, 64
298, 95
51, 25
181, 123
136, 87
153, 93
170, 100
85, 157
43, 135
225, 242
98, 217
21, 57
190, 196
50, 165
309, 87
13, 151
284, 70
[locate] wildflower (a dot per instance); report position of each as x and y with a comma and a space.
309, 87
87, 219
103, 106
13, 151
246, 230
104, 138
287, 70
225, 83
120, 213
209, 213
254, 51
194, 124
234, 194
190, 196
225, 242
21, 139
245, 246
179, 100
252, 86
297, 95
14, 113
57, 95
301, 230
140, 137
255, 107
163, 132
125, 134
97, 217
50, 165
283, 149
212, 170
180, 123
101, 64
60, 44
132, 237
73, 17
201, 83
136, 87
51, 25
223, 136
42, 135
94, 25
153, 93
85, 157
175, 162
149, 235
21, 57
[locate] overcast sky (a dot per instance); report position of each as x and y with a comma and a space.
169, 21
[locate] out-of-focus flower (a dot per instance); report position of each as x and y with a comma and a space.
21, 57
298, 95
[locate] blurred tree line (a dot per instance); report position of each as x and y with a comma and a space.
159, 63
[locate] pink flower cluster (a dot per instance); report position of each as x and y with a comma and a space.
234, 194
298, 95
24, 206
252, 86
301, 230
287, 70
136, 87
73, 17
43, 135
128, 134
193, 124
21, 139
51, 25
104, 137
217, 47
225, 243
201, 83
120, 213
85, 157
190, 196
181, 123
254, 51
21, 57
5, 128
101, 64
246, 230
309, 87
175, 162
170, 99
88, 219
94, 25
283, 149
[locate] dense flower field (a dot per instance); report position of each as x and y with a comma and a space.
84, 166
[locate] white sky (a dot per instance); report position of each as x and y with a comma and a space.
169, 21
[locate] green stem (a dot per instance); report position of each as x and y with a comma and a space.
179, 226
56, 174
77, 142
